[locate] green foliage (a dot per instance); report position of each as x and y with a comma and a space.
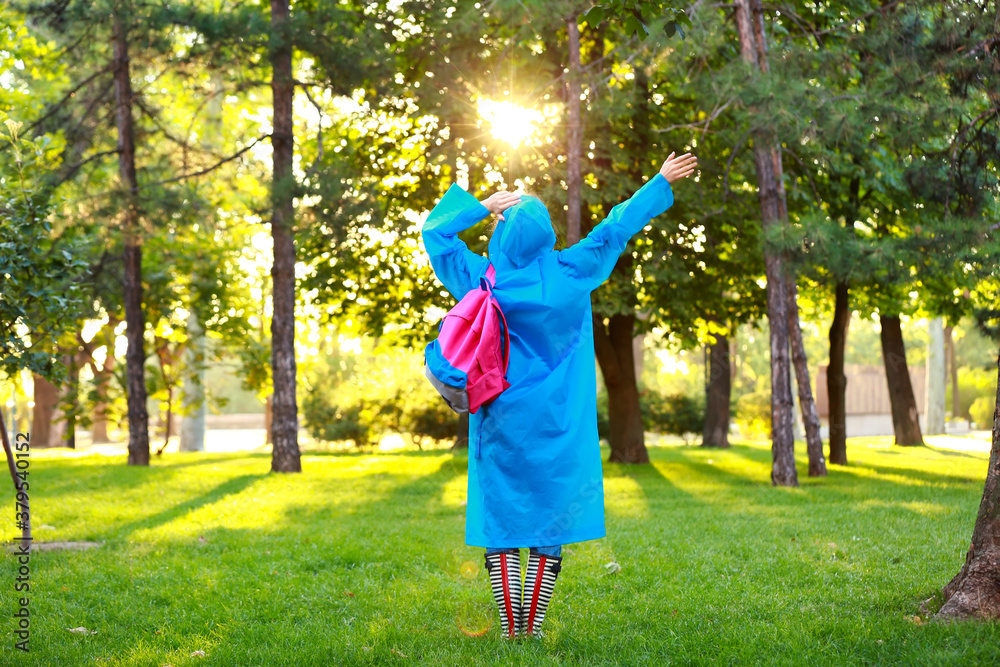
699, 262
329, 422
638, 18
421, 414
973, 384
676, 414
753, 414
371, 392
891, 162
427, 416
41, 267
982, 411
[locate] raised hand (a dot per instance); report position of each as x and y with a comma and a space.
676, 168
498, 202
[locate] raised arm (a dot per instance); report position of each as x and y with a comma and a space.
592, 259
457, 267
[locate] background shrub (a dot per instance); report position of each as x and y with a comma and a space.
362, 397
982, 411
753, 414
973, 384
676, 414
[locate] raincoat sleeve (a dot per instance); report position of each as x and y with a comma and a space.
592, 259
457, 267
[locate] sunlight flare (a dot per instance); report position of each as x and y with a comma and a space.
510, 122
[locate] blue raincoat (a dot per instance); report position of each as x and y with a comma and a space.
535, 475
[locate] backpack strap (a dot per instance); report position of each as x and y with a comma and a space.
506, 340
488, 282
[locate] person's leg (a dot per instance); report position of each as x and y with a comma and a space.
504, 568
544, 564
548, 551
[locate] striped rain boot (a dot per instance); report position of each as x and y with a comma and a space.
505, 580
538, 584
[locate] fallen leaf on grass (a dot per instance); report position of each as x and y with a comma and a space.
349, 593
198, 654
399, 653
82, 631
612, 567
916, 620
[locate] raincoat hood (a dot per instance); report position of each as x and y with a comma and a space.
523, 236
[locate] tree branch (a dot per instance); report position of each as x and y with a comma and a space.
202, 172
56, 106
319, 132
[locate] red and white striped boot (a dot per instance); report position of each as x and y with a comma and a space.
538, 585
505, 579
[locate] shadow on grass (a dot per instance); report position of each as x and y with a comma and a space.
230, 487
836, 471
403, 452
61, 476
893, 490
409, 495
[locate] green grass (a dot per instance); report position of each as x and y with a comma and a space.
360, 560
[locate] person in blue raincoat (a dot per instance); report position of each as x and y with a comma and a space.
535, 475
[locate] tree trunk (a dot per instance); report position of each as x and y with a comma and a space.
135, 357
717, 394
72, 400
768, 162
836, 380
905, 419
20, 485
575, 134
168, 419
99, 431
102, 377
613, 346
975, 590
810, 416
193, 424
268, 419
462, 435
935, 380
783, 471
46, 397
285, 455
956, 398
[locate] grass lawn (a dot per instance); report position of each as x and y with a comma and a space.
360, 560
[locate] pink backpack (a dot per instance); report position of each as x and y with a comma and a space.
467, 363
